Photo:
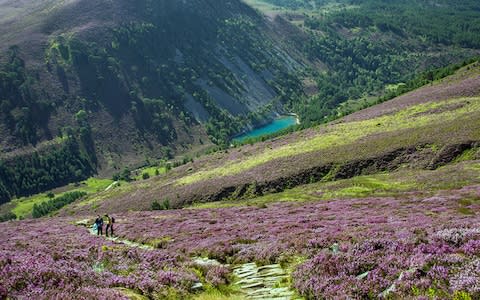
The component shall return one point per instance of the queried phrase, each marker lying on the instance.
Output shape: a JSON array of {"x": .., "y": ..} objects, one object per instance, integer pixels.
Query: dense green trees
[
  {"x": 125, "y": 175},
  {"x": 31, "y": 174},
  {"x": 152, "y": 71},
  {"x": 149, "y": 66},
  {"x": 420, "y": 80},
  {"x": 45, "y": 208},
  {"x": 21, "y": 110},
  {"x": 366, "y": 45}
]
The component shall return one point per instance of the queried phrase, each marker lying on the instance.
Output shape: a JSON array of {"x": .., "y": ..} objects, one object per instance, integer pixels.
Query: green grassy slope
[
  {"x": 424, "y": 129},
  {"x": 134, "y": 81},
  {"x": 22, "y": 207}
]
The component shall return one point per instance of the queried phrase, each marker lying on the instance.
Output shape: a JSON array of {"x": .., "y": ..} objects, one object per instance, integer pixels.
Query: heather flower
[
  {"x": 3, "y": 292},
  {"x": 472, "y": 247},
  {"x": 468, "y": 279},
  {"x": 217, "y": 275},
  {"x": 457, "y": 236},
  {"x": 382, "y": 244},
  {"x": 439, "y": 273}
]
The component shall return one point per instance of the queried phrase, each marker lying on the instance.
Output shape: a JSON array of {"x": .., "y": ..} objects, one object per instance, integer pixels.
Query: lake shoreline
[{"x": 278, "y": 124}]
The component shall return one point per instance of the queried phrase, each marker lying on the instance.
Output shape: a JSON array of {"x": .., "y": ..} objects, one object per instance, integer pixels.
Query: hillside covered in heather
[
  {"x": 424, "y": 129},
  {"x": 95, "y": 87},
  {"x": 124, "y": 173},
  {"x": 382, "y": 203}
]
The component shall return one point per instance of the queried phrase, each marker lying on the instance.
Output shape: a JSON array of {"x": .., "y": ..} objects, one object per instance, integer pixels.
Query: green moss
[
  {"x": 466, "y": 211},
  {"x": 160, "y": 243},
  {"x": 214, "y": 294},
  {"x": 465, "y": 202},
  {"x": 460, "y": 295}
]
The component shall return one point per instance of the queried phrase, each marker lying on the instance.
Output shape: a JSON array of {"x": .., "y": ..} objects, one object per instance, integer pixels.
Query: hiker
[
  {"x": 99, "y": 225},
  {"x": 110, "y": 222}
]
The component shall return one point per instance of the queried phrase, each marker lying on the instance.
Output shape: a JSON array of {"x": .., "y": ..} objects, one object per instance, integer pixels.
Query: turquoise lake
[{"x": 275, "y": 126}]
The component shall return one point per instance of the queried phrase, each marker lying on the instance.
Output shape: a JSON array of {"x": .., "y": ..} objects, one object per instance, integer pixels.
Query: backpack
[{"x": 113, "y": 220}]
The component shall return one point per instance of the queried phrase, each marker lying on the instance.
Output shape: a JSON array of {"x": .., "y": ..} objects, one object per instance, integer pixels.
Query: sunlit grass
[
  {"x": 394, "y": 184},
  {"x": 120, "y": 188},
  {"x": 24, "y": 206},
  {"x": 151, "y": 171},
  {"x": 413, "y": 117}
]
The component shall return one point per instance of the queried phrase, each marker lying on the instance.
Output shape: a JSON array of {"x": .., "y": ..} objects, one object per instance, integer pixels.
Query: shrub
[
  {"x": 165, "y": 205},
  {"x": 123, "y": 175},
  {"x": 7, "y": 217}
]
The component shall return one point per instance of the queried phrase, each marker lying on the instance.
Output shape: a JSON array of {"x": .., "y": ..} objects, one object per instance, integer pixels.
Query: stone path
[
  {"x": 262, "y": 282},
  {"x": 257, "y": 282},
  {"x": 254, "y": 282}
]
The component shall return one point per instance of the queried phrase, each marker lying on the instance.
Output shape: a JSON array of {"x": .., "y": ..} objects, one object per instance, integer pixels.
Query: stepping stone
[
  {"x": 259, "y": 291},
  {"x": 248, "y": 286},
  {"x": 248, "y": 281},
  {"x": 363, "y": 275},
  {"x": 197, "y": 286},
  {"x": 272, "y": 273},
  {"x": 243, "y": 275},
  {"x": 247, "y": 265},
  {"x": 260, "y": 282},
  {"x": 275, "y": 266},
  {"x": 206, "y": 261}
]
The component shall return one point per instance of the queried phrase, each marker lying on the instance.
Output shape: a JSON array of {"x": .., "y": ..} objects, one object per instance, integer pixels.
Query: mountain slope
[
  {"x": 424, "y": 129},
  {"x": 363, "y": 47},
  {"x": 92, "y": 87},
  {"x": 135, "y": 80}
]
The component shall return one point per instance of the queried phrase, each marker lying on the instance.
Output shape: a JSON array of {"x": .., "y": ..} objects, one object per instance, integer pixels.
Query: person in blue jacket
[{"x": 99, "y": 224}]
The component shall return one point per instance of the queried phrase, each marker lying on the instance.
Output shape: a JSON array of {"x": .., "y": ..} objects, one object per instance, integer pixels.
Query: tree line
[
  {"x": 31, "y": 174},
  {"x": 54, "y": 204}
]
